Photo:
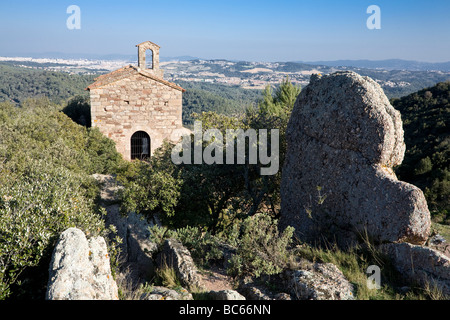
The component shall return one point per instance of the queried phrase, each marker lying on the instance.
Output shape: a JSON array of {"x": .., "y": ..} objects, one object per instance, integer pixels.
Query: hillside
[
  {"x": 389, "y": 64},
  {"x": 222, "y": 86},
  {"x": 205, "y": 97},
  {"x": 397, "y": 77},
  {"x": 224, "y": 214},
  {"x": 426, "y": 121},
  {"x": 18, "y": 84},
  {"x": 46, "y": 163}
]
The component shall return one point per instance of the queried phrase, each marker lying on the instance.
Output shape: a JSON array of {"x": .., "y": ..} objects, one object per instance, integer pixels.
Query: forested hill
[
  {"x": 426, "y": 122},
  {"x": 18, "y": 84},
  {"x": 223, "y": 99}
]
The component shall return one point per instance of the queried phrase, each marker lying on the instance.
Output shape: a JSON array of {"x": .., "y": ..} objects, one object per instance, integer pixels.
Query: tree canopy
[{"x": 426, "y": 121}]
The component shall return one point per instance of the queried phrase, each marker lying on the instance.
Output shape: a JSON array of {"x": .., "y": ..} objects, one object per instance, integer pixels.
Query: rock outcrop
[
  {"x": 80, "y": 269},
  {"x": 343, "y": 140},
  {"x": 137, "y": 250},
  {"x": 163, "y": 293},
  {"x": 255, "y": 292},
  {"x": 420, "y": 265},
  {"x": 226, "y": 295},
  {"x": 175, "y": 255},
  {"x": 323, "y": 281}
]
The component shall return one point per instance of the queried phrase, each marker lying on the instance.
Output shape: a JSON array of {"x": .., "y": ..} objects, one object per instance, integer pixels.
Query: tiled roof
[{"x": 125, "y": 72}]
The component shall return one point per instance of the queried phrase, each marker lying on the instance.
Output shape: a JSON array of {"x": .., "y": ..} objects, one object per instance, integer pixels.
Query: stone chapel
[{"x": 136, "y": 107}]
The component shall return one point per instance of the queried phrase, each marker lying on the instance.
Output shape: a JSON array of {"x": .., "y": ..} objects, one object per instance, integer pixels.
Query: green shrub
[
  {"x": 261, "y": 248},
  {"x": 34, "y": 210},
  {"x": 150, "y": 188},
  {"x": 46, "y": 163},
  {"x": 79, "y": 110},
  {"x": 203, "y": 246}
]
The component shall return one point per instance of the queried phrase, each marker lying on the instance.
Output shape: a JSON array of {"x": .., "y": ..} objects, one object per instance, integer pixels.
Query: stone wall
[{"x": 137, "y": 103}]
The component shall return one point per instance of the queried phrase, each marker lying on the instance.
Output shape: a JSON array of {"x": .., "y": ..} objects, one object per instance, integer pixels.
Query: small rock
[
  {"x": 323, "y": 282},
  {"x": 226, "y": 295},
  {"x": 282, "y": 296},
  {"x": 437, "y": 240},
  {"x": 253, "y": 291},
  {"x": 163, "y": 293}
]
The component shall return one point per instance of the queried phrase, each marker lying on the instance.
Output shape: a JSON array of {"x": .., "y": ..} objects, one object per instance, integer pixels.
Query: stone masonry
[{"x": 135, "y": 98}]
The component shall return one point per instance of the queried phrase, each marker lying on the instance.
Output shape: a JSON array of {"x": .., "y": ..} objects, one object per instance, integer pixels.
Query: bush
[
  {"x": 34, "y": 210},
  {"x": 203, "y": 246},
  {"x": 46, "y": 163},
  {"x": 150, "y": 188},
  {"x": 261, "y": 249},
  {"x": 79, "y": 110}
]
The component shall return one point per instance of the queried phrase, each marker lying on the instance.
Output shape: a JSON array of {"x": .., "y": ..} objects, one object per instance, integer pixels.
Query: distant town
[
  {"x": 73, "y": 66},
  {"x": 244, "y": 74}
]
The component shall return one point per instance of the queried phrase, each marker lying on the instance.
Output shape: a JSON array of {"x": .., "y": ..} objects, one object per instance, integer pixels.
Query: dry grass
[
  {"x": 127, "y": 289},
  {"x": 167, "y": 277}
]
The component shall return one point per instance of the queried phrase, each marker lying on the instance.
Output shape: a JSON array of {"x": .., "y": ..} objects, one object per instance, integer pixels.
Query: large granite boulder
[
  {"x": 80, "y": 269},
  {"x": 343, "y": 139}
]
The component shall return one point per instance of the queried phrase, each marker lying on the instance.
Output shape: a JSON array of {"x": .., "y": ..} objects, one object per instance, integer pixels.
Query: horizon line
[{"x": 99, "y": 56}]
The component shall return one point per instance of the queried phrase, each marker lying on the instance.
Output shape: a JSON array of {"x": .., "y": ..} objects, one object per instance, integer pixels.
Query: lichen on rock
[{"x": 344, "y": 138}]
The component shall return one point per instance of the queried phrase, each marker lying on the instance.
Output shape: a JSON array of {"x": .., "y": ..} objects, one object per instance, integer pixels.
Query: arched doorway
[{"x": 140, "y": 146}]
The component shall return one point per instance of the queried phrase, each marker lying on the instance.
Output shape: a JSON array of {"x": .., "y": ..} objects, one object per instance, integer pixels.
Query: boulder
[
  {"x": 80, "y": 269},
  {"x": 324, "y": 281},
  {"x": 420, "y": 265},
  {"x": 265, "y": 287},
  {"x": 226, "y": 295},
  {"x": 175, "y": 255},
  {"x": 252, "y": 291},
  {"x": 440, "y": 244},
  {"x": 163, "y": 293},
  {"x": 140, "y": 248},
  {"x": 343, "y": 139}
]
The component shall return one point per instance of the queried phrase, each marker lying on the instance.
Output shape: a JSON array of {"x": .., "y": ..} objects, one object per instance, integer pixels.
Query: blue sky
[{"x": 262, "y": 30}]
